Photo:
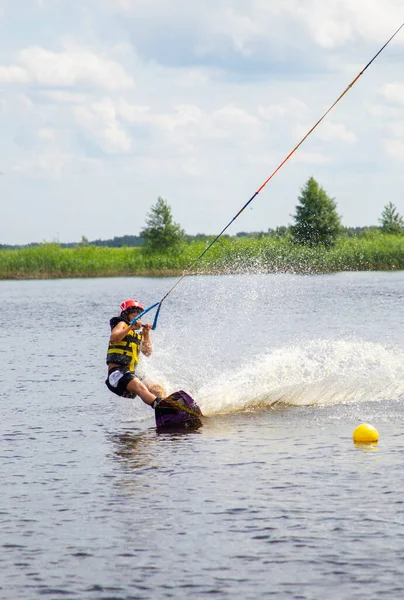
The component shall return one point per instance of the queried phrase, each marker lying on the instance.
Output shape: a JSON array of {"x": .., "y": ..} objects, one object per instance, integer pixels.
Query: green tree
[
  {"x": 391, "y": 221},
  {"x": 316, "y": 218},
  {"x": 161, "y": 233}
]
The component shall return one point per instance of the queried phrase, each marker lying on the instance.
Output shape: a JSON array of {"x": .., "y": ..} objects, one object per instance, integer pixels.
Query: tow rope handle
[{"x": 146, "y": 311}]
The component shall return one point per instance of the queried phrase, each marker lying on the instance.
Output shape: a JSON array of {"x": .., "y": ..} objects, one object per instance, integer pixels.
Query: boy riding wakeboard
[
  {"x": 126, "y": 342},
  {"x": 129, "y": 337}
]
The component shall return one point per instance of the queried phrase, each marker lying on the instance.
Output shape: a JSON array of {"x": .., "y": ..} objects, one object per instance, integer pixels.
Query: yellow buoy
[{"x": 365, "y": 434}]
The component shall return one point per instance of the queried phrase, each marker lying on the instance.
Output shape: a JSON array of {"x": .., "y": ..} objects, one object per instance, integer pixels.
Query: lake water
[{"x": 270, "y": 498}]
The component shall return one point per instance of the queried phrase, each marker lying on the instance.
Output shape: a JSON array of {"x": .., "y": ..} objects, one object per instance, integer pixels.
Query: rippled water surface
[{"x": 270, "y": 498}]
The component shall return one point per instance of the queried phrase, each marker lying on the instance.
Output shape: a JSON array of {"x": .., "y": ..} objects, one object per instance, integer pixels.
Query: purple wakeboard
[{"x": 178, "y": 410}]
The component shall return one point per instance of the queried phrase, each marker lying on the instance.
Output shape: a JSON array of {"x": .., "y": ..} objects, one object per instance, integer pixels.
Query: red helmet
[{"x": 131, "y": 303}]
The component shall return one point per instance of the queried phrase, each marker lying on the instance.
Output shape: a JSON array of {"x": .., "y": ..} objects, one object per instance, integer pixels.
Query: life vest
[{"x": 125, "y": 352}]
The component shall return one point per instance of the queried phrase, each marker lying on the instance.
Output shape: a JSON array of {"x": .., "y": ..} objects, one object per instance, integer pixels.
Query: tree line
[{"x": 316, "y": 223}]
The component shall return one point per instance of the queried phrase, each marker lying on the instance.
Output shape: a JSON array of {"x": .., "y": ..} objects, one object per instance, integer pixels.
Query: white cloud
[
  {"x": 192, "y": 167},
  {"x": 397, "y": 128},
  {"x": 52, "y": 163},
  {"x": 64, "y": 97},
  {"x": 44, "y": 165},
  {"x": 256, "y": 23},
  {"x": 72, "y": 68},
  {"x": 334, "y": 23},
  {"x": 383, "y": 111},
  {"x": 46, "y": 134},
  {"x": 193, "y": 78},
  {"x": 25, "y": 101},
  {"x": 99, "y": 121},
  {"x": 235, "y": 116},
  {"x": 240, "y": 27},
  {"x": 218, "y": 99},
  {"x": 329, "y": 131},
  {"x": 191, "y": 119},
  {"x": 134, "y": 113},
  {"x": 291, "y": 107},
  {"x": 326, "y": 22},
  {"x": 183, "y": 116},
  {"x": 180, "y": 124},
  {"x": 394, "y": 92},
  {"x": 395, "y": 149},
  {"x": 13, "y": 74},
  {"x": 311, "y": 158}
]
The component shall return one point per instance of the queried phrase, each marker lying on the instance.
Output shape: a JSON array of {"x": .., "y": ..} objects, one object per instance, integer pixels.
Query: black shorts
[{"x": 119, "y": 382}]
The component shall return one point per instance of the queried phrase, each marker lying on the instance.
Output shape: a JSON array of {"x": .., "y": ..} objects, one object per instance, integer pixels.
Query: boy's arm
[
  {"x": 120, "y": 330},
  {"x": 146, "y": 347}
]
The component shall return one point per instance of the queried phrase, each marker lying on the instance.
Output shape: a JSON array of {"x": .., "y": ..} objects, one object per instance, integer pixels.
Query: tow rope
[{"x": 186, "y": 271}]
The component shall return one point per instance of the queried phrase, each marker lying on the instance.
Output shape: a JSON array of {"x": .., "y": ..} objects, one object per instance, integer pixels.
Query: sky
[{"x": 105, "y": 105}]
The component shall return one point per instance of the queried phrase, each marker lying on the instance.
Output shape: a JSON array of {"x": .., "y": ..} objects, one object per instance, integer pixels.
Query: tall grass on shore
[
  {"x": 229, "y": 255},
  {"x": 376, "y": 252},
  {"x": 49, "y": 260}
]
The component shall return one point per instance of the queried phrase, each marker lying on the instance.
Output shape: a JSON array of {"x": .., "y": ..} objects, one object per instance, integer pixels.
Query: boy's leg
[
  {"x": 156, "y": 388},
  {"x": 135, "y": 386}
]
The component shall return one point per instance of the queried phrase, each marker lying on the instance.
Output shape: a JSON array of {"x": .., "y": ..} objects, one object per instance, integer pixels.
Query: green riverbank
[{"x": 230, "y": 255}]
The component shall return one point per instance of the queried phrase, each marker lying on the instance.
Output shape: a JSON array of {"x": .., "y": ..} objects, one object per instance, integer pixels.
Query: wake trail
[{"x": 320, "y": 373}]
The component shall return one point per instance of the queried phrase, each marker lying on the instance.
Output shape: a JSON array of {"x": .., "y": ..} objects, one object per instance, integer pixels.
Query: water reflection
[
  {"x": 140, "y": 448},
  {"x": 133, "y": 447},
  {"x": 176, "y": 432},
  {"x": 369, "y": 447}
]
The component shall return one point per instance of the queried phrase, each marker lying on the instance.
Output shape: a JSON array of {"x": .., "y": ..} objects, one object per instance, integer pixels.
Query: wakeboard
[{"x": 178, "y": 410}]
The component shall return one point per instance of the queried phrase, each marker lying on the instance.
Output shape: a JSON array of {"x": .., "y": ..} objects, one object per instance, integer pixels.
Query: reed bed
[{"x": 229, "y": 255}]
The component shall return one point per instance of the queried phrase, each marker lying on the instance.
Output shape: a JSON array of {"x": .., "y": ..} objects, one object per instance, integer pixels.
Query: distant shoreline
[
  {"x": 179, "y": 273},
  {"x": 55, "y": 275}
]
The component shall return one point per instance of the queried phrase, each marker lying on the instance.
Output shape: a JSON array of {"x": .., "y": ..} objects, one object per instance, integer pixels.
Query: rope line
[{"x": 270, "y": 177}]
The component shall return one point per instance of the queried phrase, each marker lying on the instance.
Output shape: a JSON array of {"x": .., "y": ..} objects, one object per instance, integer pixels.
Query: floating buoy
[{"x": 365, "y": 434}]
